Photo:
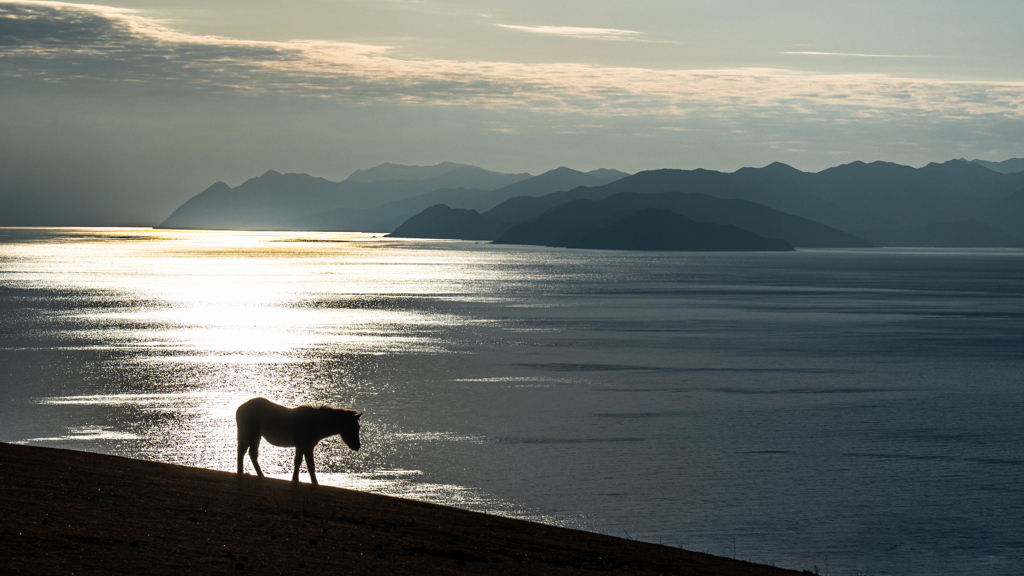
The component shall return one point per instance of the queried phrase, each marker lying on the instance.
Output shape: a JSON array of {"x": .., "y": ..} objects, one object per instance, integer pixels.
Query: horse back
[{"x": 262, "y": 417}]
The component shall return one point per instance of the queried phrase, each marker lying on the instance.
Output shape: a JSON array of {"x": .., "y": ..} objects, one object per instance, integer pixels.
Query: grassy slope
[{"x": 74, "y": 512}]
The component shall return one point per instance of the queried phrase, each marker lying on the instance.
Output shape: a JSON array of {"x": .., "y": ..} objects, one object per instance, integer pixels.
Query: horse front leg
[
  {"x": 311, "y": 466},
  {"x": 298, "y": 462}
]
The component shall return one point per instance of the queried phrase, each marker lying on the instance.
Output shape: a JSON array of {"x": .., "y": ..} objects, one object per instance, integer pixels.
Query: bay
[{"x": 856, "y": 412}]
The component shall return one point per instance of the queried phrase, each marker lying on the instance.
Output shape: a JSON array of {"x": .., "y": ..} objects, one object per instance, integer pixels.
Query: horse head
[{"x": 348, "y": 424}]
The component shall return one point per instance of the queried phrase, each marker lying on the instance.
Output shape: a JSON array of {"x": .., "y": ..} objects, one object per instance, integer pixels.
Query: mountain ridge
[
  {"x": 388, "y": 216},
  {"x": 877, "y": 201},
  {"x": 276, "y": 201},
  {"x": 1005, "y": 167}
]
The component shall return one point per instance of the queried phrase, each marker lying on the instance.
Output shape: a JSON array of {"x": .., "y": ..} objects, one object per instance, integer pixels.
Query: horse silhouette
[{"x": 302, "y": 427}]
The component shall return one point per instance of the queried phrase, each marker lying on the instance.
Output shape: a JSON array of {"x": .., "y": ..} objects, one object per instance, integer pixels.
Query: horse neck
[{"x": 323, "y": 424}]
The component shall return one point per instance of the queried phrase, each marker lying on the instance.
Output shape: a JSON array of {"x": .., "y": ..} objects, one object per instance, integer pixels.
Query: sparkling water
[{"x": 848, "y": 411}]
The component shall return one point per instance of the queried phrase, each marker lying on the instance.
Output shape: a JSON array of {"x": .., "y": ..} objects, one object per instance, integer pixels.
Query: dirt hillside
[{"x": 67, "y": 512}]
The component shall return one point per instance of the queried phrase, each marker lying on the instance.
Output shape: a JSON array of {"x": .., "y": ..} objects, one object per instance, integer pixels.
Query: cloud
[
  {"x": 853, "y": 55},
  {"x": 574, "y": 32},
  {"x": 70, "y": 45}
]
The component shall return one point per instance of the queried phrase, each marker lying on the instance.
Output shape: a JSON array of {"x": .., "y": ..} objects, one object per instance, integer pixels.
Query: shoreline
[{"x": 66, "y": 511}]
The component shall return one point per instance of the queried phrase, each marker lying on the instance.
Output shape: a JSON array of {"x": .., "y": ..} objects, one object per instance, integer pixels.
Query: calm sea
[{"x": 855, "y": 412}]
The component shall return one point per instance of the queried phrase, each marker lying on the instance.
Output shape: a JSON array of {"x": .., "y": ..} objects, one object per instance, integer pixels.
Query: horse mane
[{"x": 322, "y": 408}]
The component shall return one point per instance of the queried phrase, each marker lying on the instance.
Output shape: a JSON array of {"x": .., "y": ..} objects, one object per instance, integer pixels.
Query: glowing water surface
[
  {"x": 185, "y": 326},
  {"x": 862, "y": 406}
]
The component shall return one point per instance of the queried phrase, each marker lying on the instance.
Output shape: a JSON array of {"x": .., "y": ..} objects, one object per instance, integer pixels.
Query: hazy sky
[{"x": 117, "y": 113}]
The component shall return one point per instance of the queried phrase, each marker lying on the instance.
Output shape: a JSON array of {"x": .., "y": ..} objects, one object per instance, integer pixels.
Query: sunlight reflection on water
[{"x": 207, "y": 320}]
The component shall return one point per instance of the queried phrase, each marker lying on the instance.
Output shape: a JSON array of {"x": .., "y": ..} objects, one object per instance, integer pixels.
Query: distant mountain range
[
  {"x": 388, "y": 171},
  {"x": 373, "y": 200},
  {"x": 882, "y": 203},
  {"x": 1004, "y": 167},
  {"x": 955, "y": 203},
  {"x": 386, "y": 217},
  {"x": 878, "y": 201}
]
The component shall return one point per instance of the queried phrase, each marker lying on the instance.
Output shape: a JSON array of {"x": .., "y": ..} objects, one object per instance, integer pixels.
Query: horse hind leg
[
  {"x": 244, "y": 442},
  {"x": 243, "y": 447},
  {"x": 254, "y": 454}
]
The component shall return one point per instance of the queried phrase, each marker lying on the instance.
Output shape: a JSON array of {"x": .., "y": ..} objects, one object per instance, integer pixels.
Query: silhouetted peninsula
[
  {"x": 649, "y": 229},
  {"x": 550, "y": 227},
  {"x": 751, "y": 216},
  {"x": 440, "y": 221}
]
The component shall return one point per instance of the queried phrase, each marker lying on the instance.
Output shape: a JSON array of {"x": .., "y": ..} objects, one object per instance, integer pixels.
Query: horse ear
[{"x": 359, "y": 415}]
